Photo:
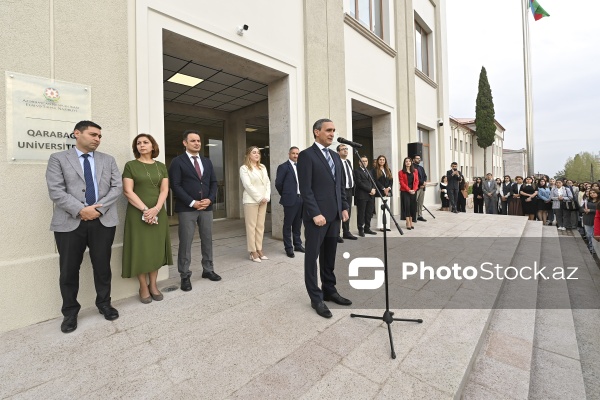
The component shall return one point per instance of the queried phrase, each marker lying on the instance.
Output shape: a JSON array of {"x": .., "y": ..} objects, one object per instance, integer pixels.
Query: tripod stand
[
  {"x": 388, "y": 316},
  {"x": 426, "y": 209}
]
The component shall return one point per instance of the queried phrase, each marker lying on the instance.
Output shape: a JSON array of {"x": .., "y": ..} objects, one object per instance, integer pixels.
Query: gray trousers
[
  {"x": 491, "y": 204},
  {"x": 420, "y": 199},
  {"x": 187, "y": 226}
]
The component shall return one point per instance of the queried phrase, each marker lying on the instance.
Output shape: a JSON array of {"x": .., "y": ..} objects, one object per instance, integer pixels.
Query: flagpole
[{"x": 528, "y": 91}]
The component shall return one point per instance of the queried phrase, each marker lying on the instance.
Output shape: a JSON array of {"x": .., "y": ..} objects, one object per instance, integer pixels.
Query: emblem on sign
[{"x": 51, "y": 94}]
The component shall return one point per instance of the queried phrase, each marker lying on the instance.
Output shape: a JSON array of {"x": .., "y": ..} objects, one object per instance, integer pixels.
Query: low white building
[
  {"x": 515, "y": 162},
  {"x": 469, "y": 156}
]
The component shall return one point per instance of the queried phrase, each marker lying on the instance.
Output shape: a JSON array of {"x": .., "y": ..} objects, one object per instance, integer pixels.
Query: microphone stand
[{"x": 388, "y": 316}]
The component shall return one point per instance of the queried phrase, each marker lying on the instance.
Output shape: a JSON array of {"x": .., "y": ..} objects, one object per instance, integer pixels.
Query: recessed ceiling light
[
  {"x": 251, "y": 129},
  {"x": 186, "y": 80}
]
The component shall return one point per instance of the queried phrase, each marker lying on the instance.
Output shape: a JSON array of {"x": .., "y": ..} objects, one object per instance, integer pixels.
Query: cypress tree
[{"x": 485, "y": 126}]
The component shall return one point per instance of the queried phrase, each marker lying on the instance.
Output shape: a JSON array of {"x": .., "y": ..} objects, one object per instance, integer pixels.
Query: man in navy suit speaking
[
  {"x": 287, "y": 186},
  {"x": 322, "y": 187}
]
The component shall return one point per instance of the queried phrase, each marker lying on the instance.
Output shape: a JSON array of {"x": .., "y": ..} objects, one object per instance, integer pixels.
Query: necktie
[
  {"x": 90, "y": 190},
  {"x": 330, "y": 161},
  {"x": 349, "y": 172},
  {"x": 197, "y": 166}
]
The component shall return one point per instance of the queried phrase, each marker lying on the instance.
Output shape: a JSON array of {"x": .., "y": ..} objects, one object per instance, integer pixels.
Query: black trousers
[
  {"x": 321, "y": 243},
  {"x": 477, "y": 205},
  {"x": 453, "y": 197},
  {"x": 292, "y": 224},
  {"x": 461, "y": 203},
  {"x": 71, "y": 247},
  {"x": 346, "y": 225},
  {"x": 364, "y": 213}
]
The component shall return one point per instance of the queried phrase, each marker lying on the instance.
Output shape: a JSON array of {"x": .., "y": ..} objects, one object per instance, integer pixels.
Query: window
[
  {"x": 423, "y": 137},
  {"x": 368, "y": 13},
  {"x": 461, "y": 146},
  {"x": 421, "y": 49},
  {"x": 455, "y": 144}
]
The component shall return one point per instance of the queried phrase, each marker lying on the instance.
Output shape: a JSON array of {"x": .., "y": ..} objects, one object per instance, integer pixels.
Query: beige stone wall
[{"x": 83, "y": 42}]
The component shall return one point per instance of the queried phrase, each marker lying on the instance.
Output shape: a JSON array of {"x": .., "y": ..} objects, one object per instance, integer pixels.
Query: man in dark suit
[
  {"x": 342, "y": 150},
  {"x": 322, "y": 183},
  {"x": 421, "y": 191},
  {"x": 84, "y": 185},
  {"x": 454, "y": 178},
  {"x": 287, "y": 186},
  {"x": 364, "y": 197},
  {"x": 194, "y": 184}
]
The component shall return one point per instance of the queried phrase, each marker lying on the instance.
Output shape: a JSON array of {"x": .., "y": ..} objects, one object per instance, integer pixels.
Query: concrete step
[
  {"x": 556, "y": 365},
  {"x": 584, "y": 294},
  {"x": 502, "y": 367}
]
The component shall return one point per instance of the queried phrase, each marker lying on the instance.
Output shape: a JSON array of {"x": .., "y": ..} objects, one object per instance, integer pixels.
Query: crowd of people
[
  {"x": 316, "y": 188},
  {"x": 561, "y": 202}
]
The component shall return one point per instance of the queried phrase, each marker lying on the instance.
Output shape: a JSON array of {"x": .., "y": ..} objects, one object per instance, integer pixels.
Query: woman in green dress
[{"x": 146, "y": 243}]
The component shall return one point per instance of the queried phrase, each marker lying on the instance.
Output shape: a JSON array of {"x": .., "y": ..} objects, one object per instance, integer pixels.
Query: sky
[{"x": 565, "y": 70}]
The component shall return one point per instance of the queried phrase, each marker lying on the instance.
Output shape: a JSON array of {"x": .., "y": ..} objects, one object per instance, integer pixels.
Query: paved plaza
[{"x": 253, "y": 335}]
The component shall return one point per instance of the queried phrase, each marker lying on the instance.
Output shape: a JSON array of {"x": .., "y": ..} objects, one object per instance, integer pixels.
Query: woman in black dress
[
  {"x": 478, "y": 196},
  {"x": 384, "y": 181},
  {"x": 409, "y": 184},
  {"x": 528, "y": 198},
  {"x": 444, "y": 193}
]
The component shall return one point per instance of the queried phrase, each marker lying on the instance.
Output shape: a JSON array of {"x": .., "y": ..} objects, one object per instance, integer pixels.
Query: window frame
[
  {"x": 354, "y": 12},
  {"x": 424, "y": 49}
]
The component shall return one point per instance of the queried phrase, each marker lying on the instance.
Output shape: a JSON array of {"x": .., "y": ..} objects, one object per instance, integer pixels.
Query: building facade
[
  {"x": 469, "y": 156},
  {"x": 515, "y": 162},
  {"x": 264, "y": 72}
]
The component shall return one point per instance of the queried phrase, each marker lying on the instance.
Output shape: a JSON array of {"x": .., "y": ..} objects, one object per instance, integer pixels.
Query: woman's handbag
[{"x": 570, "y": 205}]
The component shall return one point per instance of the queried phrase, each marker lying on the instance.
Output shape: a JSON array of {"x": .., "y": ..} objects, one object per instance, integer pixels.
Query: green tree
[
  {"x": 584, "y": 166},
  {"x": 485, "y": 126}
]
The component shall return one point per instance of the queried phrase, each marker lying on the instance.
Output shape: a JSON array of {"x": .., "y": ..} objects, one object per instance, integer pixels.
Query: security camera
[
  {"x": 241, "y": 29},
  {"x": 440, "y": 122}
]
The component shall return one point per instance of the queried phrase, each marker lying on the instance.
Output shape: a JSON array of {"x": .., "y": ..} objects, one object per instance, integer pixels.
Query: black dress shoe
[
  {"x": 211, "y": 275},
  {"x": 69, "y": 324},
  {"x": 300, "y": 249},
  {"x": 321, "y": 309},
  {"x": 340, "y": 240},
  {"x": 110, "y": 313},
  {"x": 290, "y": 253},
  {"x": 350, "y": 236},
  {"x": 336, "y": 298},
  {"x": 370, "y": 232},
  {"x": 422, "y": 219},
  {"x": 361, "y": 233},
  {"x": 186, "y": 285}
]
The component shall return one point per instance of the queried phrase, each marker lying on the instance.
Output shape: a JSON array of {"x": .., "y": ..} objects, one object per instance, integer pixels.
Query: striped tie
[{"x": 330, "y": 161}]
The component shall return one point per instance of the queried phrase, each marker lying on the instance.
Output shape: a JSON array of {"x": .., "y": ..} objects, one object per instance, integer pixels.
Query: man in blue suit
[
  {"x": 194, "y": 184},
  {"x": 287, "y": 186},
  {"x": 322, "y": 187}
]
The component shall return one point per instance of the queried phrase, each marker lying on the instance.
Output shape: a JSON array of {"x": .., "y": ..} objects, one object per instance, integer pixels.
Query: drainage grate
[{"x": 170, "y": 288}]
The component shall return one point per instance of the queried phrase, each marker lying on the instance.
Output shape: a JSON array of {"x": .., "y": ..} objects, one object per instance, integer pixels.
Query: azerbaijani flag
[{"x": 537, "y": 10}]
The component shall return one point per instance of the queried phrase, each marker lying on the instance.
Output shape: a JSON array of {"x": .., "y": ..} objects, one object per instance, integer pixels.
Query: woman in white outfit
[{"x": 257, "y": 193}]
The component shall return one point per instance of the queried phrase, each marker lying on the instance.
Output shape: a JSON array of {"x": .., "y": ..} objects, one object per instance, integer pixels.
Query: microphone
[{"x": 349, "y": 143}]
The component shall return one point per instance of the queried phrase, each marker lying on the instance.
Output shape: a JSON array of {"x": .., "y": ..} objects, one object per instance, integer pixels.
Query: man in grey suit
[
  {"x": 84, "y": 185},
  {"x": 490, "y": 195}
]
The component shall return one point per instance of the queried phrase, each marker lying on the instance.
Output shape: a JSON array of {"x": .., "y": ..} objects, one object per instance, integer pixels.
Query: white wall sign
[{"x": 41, "y": 114}]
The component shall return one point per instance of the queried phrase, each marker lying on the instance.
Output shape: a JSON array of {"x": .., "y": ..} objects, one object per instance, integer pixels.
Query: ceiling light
[
  {"x": 186, "y": 80},
  {"x": 251, "y": 129}
]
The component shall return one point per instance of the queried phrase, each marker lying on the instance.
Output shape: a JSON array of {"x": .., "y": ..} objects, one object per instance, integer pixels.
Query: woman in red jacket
[{"x": 409, "y": 184}]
